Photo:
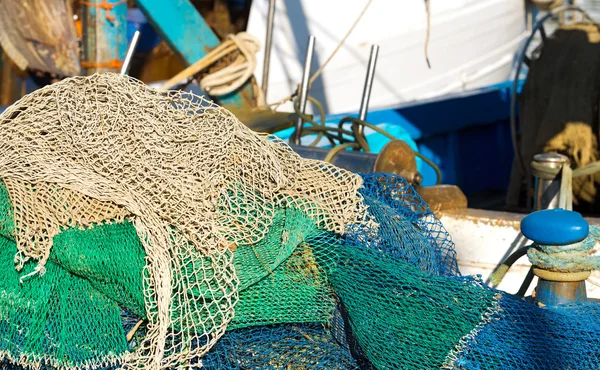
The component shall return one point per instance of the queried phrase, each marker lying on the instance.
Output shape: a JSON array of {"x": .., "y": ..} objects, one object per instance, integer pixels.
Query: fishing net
[
  {"x": 196, "y": 183},
  {"x": 141, "y": 229}
]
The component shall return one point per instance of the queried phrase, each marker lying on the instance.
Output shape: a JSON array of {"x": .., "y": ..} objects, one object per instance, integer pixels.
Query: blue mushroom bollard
[{"x": 559, "y": 237}]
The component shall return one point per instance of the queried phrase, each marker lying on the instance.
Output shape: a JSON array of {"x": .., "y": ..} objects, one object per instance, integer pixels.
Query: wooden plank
[
  {"x": 190, "y": 37},
  {"x": 40, "y": 35},
  {"x": 12, "y": 84}
]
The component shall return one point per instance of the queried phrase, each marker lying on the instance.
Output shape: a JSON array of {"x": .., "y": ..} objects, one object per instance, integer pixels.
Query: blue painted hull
[{"x": 467, "y": 135}]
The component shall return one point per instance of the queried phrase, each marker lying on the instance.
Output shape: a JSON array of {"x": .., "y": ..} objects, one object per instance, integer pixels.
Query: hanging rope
[
  {"x": 340, "y": 44},
  {"x": 427, "y": 34},
  {"x": 566, "y": 188}
]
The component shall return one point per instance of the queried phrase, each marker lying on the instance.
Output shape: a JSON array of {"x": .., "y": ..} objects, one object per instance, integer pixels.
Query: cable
[
  {"x": 337, "y": 133},
  {"x": 342, "y": 42},
  {"x": 319, "y": 128},
  {"x": 428, "y": 9},
  {"x": 320, "y": 70}
]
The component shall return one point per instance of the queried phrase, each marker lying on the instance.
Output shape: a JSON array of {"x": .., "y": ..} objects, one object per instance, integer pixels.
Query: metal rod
[
  {"x": 268, "y": 45},
  {"x": 130, "y": 50},
  {"x": 547, "y": 188},
  {"x": 364, "y": 103},
  {"x": 310, "y": 48}
]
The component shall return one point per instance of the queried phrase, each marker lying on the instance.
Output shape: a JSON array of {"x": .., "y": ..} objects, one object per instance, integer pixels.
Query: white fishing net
[{"x": 195, "y": 181}]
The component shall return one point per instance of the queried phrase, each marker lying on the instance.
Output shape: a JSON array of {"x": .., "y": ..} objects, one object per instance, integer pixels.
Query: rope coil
[
  {"x": 232, "y": 77},
  {"x": 570, "y": 258}
]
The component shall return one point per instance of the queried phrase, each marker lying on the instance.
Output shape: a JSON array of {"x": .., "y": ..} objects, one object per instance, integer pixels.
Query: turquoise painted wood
[
  {"x": 105, "y": 36},
  {"x": 186, "y": 32},
  {"x": 117, "y": 31}
]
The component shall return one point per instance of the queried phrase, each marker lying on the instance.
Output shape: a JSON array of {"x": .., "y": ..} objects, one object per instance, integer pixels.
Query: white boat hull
[{"x": 472, "y": 45}]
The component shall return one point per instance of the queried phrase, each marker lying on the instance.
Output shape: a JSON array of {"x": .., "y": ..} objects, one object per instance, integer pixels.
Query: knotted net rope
[{"x": 195, "y": 182}]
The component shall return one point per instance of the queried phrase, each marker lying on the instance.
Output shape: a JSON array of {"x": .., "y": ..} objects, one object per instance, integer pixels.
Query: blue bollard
[{"x": 557, "y": 227}]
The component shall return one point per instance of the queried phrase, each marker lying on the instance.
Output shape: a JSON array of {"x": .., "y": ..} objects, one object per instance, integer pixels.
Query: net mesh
[
  {"x": 196, "y": 182},
  {"x": 141, "y": 229}
]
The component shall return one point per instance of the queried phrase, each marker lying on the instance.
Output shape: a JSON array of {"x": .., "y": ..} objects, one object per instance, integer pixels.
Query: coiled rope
[
  {"x": 570, "y": 258},
  {"x": 231, "y": 77}
]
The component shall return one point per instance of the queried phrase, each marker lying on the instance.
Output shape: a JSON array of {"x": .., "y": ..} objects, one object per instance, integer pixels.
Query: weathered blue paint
[
  {"x": 181, "y": 27},
  {"x": 186, "y": 32},
  {"x": 553, "y": 293},
  {"x": 105, "y": 34},
  {"x": 117, "y": 31},
  {"x": 555, "y": 227}
]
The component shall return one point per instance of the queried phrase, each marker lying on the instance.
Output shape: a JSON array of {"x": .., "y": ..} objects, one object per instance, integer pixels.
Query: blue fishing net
[{"x": 519, "y": 335}]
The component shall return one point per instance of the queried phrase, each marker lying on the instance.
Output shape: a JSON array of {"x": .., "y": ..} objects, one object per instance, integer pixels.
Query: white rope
[
  {"x": 39, "y": 270},
  {"x": 237, "y": 73}
]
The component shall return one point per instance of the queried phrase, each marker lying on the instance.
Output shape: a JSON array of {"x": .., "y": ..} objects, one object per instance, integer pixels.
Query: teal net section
[
  {"x": 307, "y": 346},
  {"x": 408, "y": 229}
]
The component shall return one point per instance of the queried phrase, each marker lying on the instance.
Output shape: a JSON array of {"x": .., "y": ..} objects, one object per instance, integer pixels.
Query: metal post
[
  {"x": 310, "y": 48},
  {"x": 130, "y": 50},
  {"x": 547, "y": 188},
  {"x": 546, "y": 195},
  {"x": 364, "y": 103},
  {"x": 268, "y": 45}
]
